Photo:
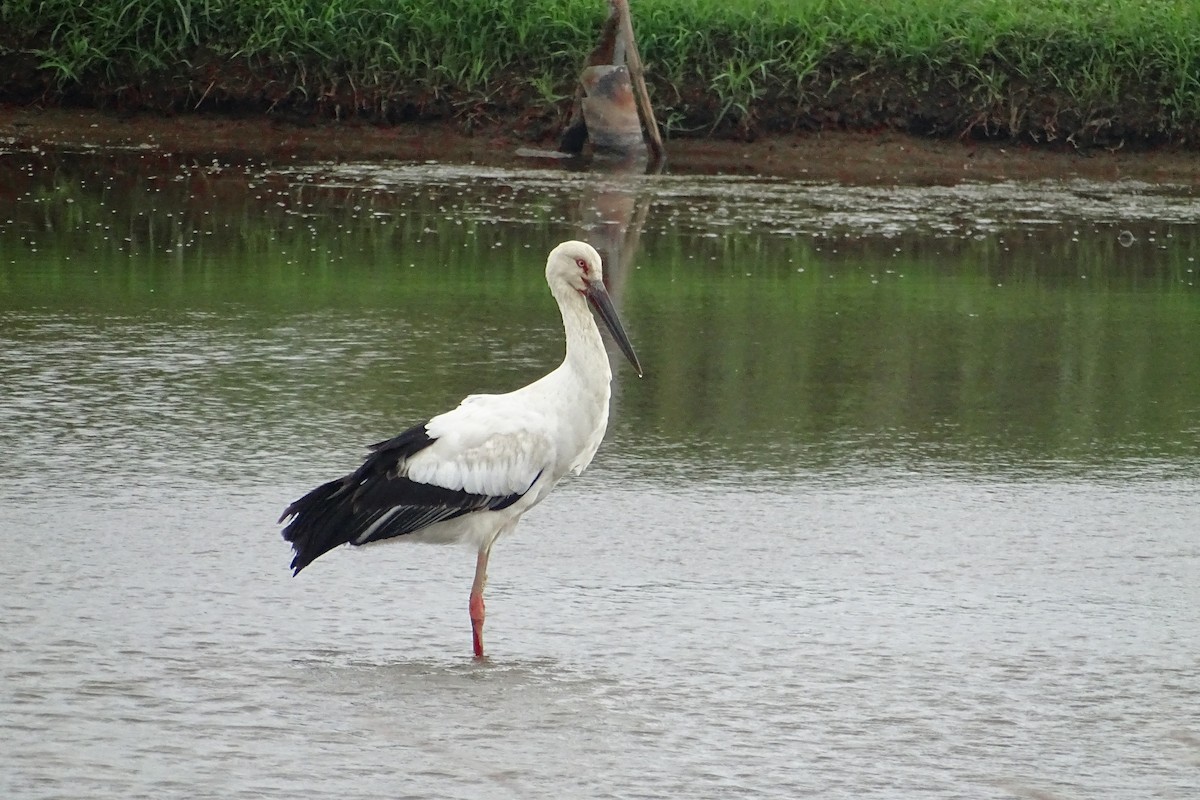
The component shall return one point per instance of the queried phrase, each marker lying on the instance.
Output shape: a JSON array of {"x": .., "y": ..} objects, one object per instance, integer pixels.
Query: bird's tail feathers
[{"x": 317, "y": 526}]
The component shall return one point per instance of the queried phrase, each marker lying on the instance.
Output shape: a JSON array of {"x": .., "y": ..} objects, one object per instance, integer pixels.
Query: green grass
[{"x": 1039, "y": 69}]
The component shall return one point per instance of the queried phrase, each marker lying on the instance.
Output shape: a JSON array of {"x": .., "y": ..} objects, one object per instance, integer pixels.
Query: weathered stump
[
  {"x": 611, "y": 113},
  {"x": 610, "y": 92}
]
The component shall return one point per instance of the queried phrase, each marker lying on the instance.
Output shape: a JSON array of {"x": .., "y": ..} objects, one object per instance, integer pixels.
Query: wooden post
[{"x": 621, "y": 7}]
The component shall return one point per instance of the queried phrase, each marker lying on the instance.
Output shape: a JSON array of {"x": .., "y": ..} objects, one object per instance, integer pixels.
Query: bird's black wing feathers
[{"x": 377, "y": 502}]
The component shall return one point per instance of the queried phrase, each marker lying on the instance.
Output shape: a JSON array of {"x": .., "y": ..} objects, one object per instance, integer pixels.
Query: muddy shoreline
[{"x": 846, "y": 157}]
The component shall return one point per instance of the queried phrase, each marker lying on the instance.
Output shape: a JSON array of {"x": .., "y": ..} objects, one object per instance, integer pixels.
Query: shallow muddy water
[{"x": 906, "y": 505}]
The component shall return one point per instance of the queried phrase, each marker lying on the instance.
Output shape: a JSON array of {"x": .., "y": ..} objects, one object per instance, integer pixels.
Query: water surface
[{"x": 905, "y": 506}]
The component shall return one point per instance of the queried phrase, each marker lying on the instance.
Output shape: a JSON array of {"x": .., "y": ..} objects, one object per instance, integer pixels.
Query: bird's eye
[{"x": 583, "y": 265}]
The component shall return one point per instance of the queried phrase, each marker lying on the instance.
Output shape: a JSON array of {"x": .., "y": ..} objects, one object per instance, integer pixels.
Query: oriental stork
[{"x": 469, "y": 474}]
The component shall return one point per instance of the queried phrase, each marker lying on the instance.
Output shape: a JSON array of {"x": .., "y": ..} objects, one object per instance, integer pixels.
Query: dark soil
[{"x": 849, "y": 157}]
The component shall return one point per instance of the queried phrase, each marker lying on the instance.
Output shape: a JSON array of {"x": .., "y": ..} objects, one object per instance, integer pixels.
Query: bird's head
[
  {"x": 576, "y": 268},
  {"x": 574, "y": 264}
]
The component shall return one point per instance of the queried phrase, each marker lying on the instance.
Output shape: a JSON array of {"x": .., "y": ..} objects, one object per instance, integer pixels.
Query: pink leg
[{"x": 477, "y": 610}]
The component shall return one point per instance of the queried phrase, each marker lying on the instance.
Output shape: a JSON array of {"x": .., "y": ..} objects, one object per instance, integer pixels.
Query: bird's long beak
[{"x": 597, "y": 295}]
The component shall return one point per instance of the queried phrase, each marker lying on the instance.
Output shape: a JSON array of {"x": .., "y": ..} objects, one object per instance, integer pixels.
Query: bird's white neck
[{"x": 585, "y": 349}]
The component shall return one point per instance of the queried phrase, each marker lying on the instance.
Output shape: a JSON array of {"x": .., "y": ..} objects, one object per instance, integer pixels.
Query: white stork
[{"x": 469, "y": 474}]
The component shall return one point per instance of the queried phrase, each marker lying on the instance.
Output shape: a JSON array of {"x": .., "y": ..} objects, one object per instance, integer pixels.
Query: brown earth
[{"x": 853, "y": 158}]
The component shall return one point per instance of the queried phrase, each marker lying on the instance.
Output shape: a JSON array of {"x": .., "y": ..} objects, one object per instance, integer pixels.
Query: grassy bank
[{"x": 1122, "y": 71}]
